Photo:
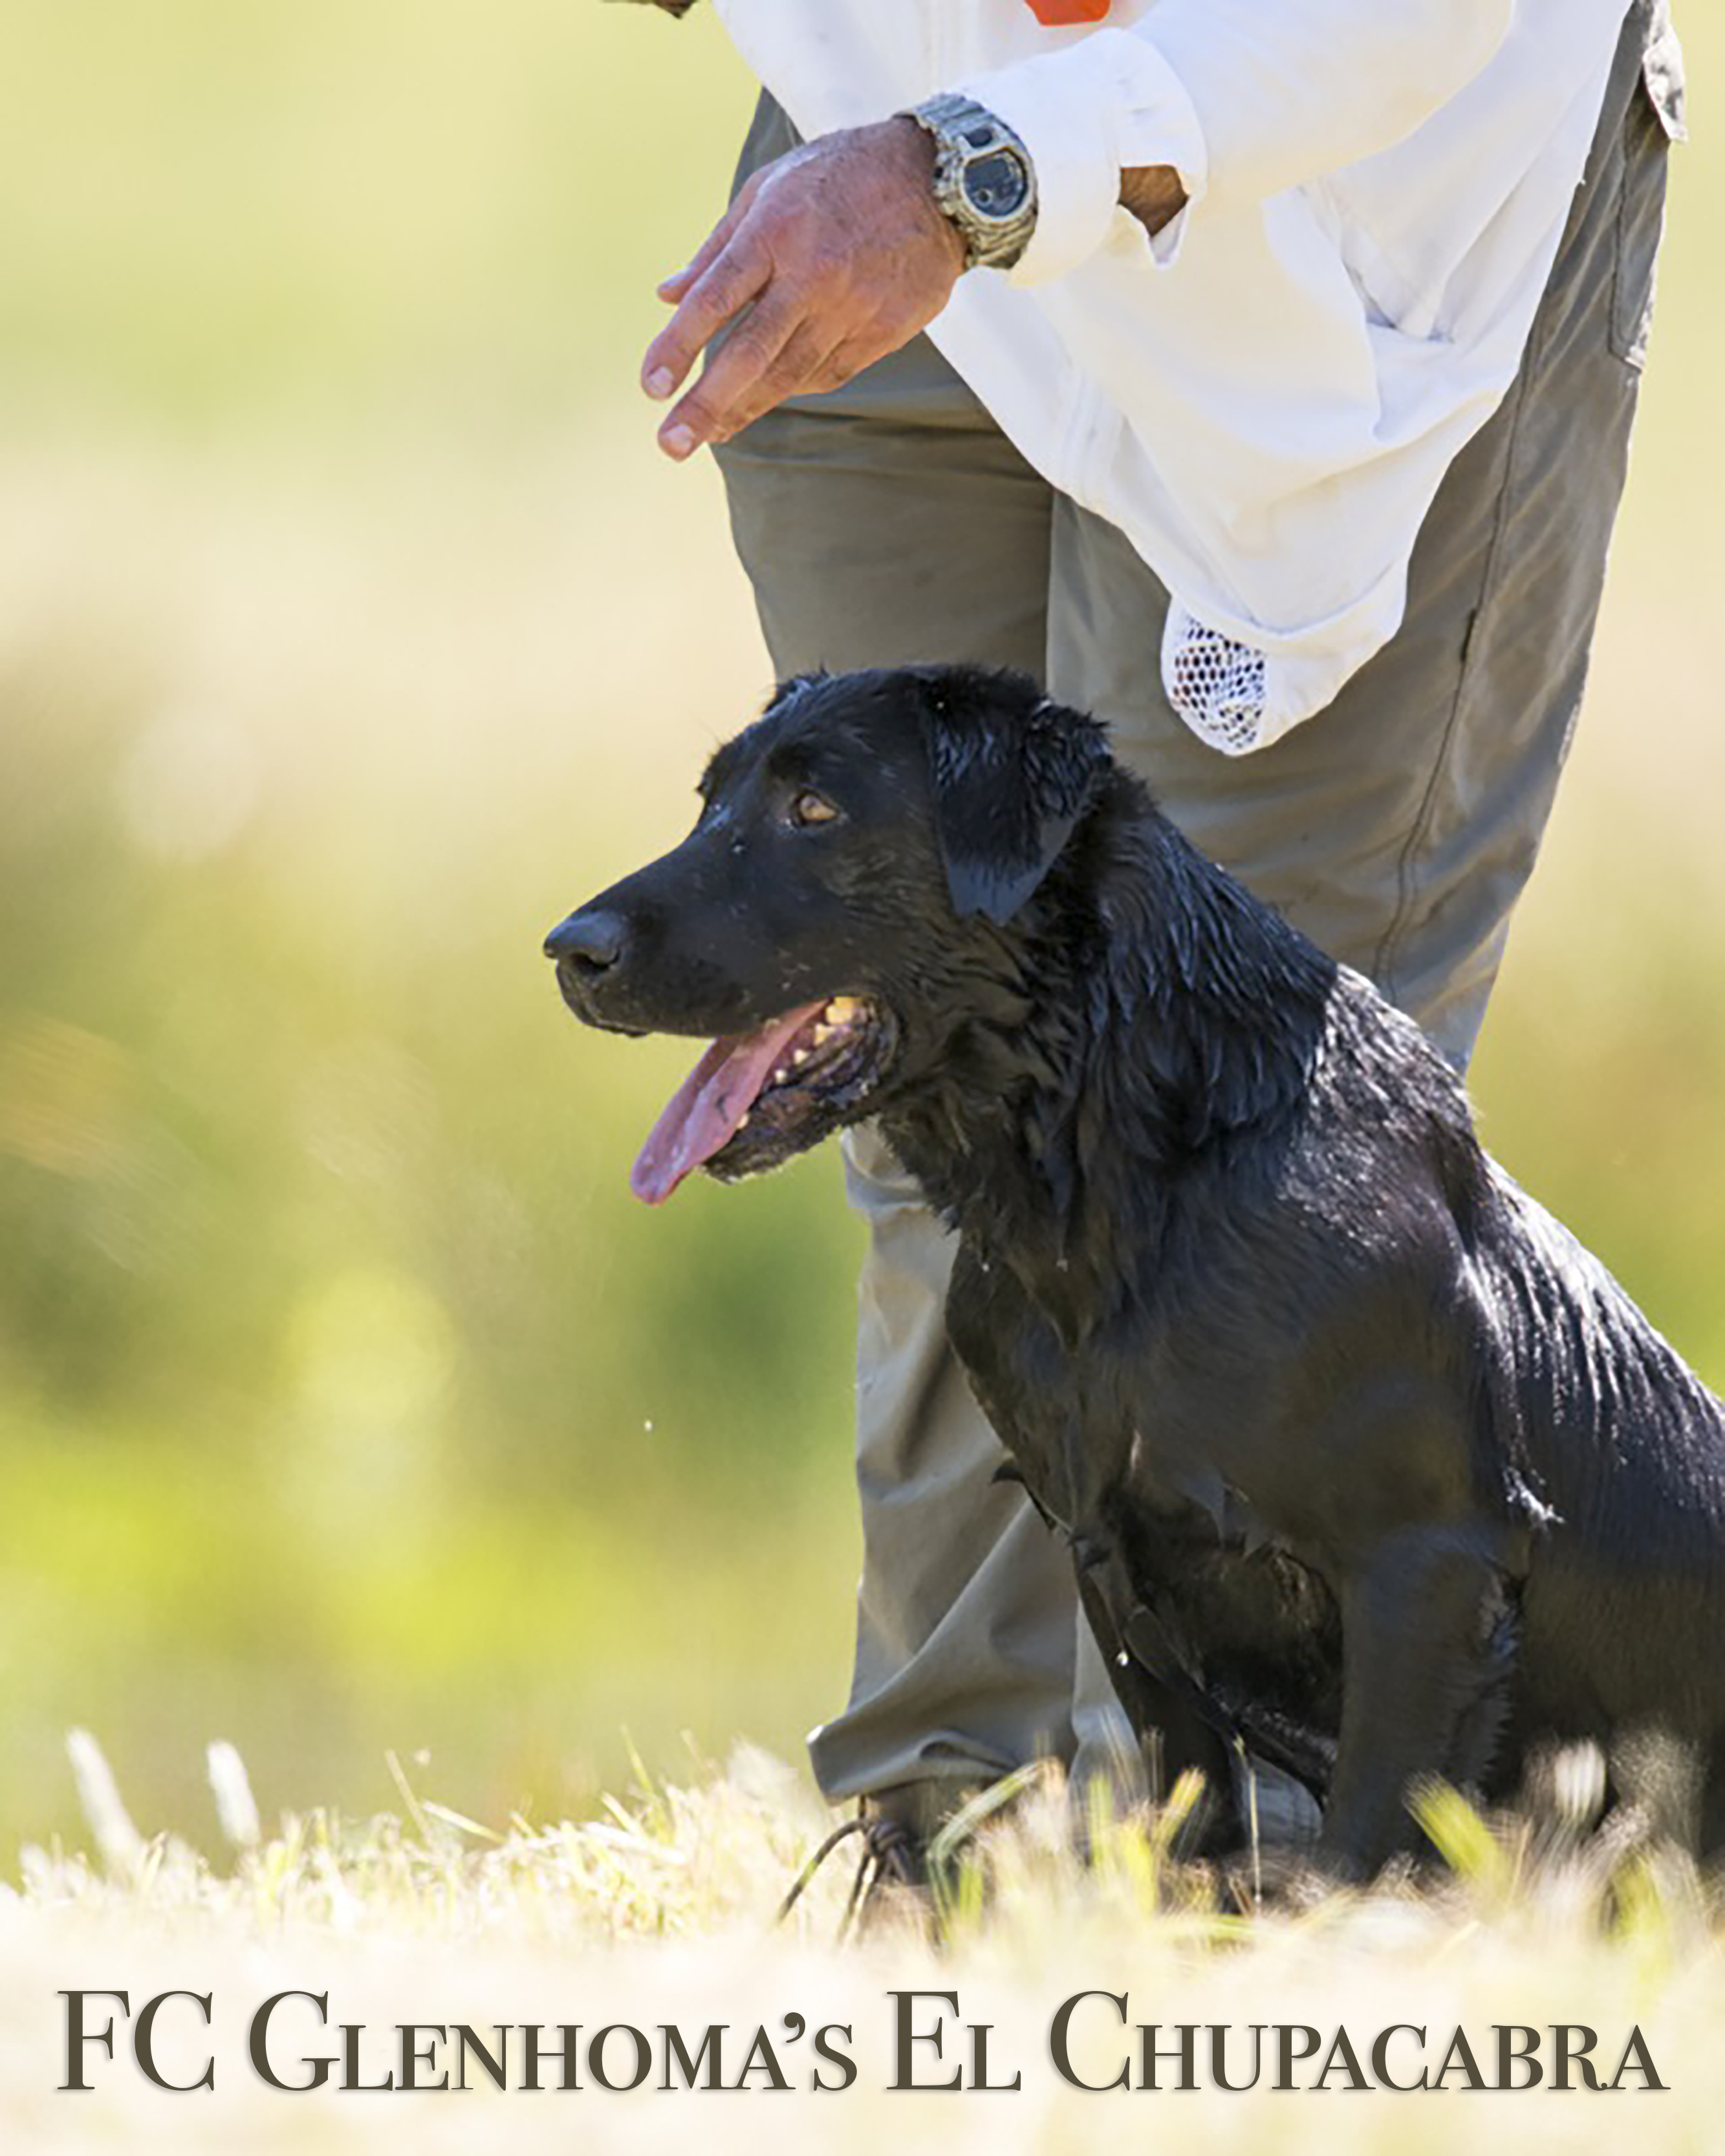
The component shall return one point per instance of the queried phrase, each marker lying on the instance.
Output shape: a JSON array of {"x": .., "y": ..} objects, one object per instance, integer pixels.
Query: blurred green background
[{"x": 351, "y": 629}]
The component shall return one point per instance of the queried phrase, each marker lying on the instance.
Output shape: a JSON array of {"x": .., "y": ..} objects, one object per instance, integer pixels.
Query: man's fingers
[
  {"x": 732, "y": 377},
  {"x": 676, "y": 286},
  {"x": 784, "y": 295},
  {"x": 849, "y": 359},
  {"x": 738, "y": 274},
  {"x": 805, "y": 363},
  {"x": 785, "y": 348}
]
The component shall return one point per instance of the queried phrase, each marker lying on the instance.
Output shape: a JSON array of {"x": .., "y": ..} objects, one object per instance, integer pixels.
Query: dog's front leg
[
  {"x": 1426, "y": 1653},
  {"x": 1166, "y": 1712}
]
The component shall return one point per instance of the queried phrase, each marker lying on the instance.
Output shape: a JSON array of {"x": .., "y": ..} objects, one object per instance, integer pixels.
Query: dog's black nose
[{"x": 589, "y": 941}]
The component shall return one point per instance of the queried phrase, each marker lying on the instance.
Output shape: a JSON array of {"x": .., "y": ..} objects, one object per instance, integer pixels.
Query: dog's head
[{"x": 849, "y": 892}]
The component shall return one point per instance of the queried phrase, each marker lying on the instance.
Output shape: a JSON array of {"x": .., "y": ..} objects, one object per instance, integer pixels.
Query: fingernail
[
  {"x": 659, "y": 383},
  {"x": 677, "y": 441}
]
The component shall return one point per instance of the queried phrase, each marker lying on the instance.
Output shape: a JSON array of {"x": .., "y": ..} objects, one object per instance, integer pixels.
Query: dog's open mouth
[{"x": 754, "y": 1099}]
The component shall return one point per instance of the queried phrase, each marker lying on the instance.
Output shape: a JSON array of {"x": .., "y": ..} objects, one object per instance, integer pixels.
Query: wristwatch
[{"x": 983, "y": 180}]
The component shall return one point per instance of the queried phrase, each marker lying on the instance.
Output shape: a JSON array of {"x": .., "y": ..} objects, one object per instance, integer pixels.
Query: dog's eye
[{"x": 807, "y": 807}]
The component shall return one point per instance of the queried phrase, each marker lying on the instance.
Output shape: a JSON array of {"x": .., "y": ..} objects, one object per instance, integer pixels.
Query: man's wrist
[
  {"x": 919, "y": 154},
  {"x": 1155, "y": 194},
  {"x": 985, "y": 182}
]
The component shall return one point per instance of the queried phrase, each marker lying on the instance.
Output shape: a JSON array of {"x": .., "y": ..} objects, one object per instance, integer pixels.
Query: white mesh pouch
[{"x": 1216, "y": 685}]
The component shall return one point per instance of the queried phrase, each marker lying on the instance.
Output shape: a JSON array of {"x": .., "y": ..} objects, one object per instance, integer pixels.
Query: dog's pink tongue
[{"x": 706, "y": 1108}]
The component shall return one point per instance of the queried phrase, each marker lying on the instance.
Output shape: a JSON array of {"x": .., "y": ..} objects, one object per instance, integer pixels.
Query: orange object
[{"x": 1053, "y": 12}]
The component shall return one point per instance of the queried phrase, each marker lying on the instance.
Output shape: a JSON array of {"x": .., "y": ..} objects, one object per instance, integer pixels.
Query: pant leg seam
[
  {"x": 1395, "y": 936},
  {"x": 1382, "y": 966}
]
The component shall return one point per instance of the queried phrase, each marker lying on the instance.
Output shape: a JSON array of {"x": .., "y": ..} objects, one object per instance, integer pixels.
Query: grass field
[{"x": 657, "y": 1917}]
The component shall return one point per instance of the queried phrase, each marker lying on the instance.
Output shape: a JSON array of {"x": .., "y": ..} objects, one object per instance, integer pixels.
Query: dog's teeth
[
  {"x": 781, "y": 1075},
  {"x": 823, "y": 1033},
  {"x": 801, "y": 1056},
  {"x": 743, "y": 1122},
  {"x": 842, "y": 1009}
]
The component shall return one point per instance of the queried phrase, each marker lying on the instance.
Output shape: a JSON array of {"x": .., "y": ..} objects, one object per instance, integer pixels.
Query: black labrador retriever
[{"x": 1365, "y": 1464}]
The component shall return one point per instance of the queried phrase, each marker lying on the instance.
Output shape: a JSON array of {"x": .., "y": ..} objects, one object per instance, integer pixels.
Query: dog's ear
[{"x": 1013, "y": 772}]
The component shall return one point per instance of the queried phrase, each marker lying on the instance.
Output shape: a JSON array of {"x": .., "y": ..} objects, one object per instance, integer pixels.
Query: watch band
[{"x": 984, "y": 179}]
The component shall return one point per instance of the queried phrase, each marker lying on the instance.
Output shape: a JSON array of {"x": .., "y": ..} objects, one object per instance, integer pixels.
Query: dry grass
[{"x": 661, "y": 1914}]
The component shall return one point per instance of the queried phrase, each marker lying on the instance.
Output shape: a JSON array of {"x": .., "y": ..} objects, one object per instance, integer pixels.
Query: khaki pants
[{"x": 891, "y": 522}]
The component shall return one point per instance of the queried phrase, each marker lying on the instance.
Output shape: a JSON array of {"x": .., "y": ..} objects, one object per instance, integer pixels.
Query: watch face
[{"x": 997, "y": 187}]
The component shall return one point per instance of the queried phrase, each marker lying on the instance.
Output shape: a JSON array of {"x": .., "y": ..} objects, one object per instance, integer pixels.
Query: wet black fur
[{"x": 1362, "y": 1460}]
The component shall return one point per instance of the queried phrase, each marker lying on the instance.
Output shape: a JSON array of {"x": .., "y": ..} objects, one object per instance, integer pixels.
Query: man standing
[{"x": 1275, "y": 408}]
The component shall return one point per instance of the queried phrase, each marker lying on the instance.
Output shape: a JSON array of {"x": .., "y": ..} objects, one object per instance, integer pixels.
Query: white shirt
[{"x": 1264, "y": 398}]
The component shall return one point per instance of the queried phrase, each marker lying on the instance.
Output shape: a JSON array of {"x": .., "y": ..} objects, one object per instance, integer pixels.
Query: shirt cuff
[{"x": 1086, "y": 113}]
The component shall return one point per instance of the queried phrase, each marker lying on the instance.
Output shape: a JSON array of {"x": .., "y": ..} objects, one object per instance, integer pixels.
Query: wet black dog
[{"x": 1365, "y": 1462}]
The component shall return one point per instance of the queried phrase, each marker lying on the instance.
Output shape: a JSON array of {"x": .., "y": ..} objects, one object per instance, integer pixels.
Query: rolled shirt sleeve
[{"x": 1243, "y": 98}]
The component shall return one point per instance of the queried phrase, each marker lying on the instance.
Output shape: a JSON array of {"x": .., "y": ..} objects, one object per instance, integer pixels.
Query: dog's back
[{"x": 1628, "y": 1448}]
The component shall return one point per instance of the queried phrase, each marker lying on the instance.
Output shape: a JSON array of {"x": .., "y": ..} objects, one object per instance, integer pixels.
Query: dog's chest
[
  {"x": 1196, "y": 1572},
  {"x": 1131, "y": 1419}
]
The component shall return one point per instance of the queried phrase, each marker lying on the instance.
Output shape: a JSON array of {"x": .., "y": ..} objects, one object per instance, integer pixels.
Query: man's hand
[{"x": 829, "y": 258}]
